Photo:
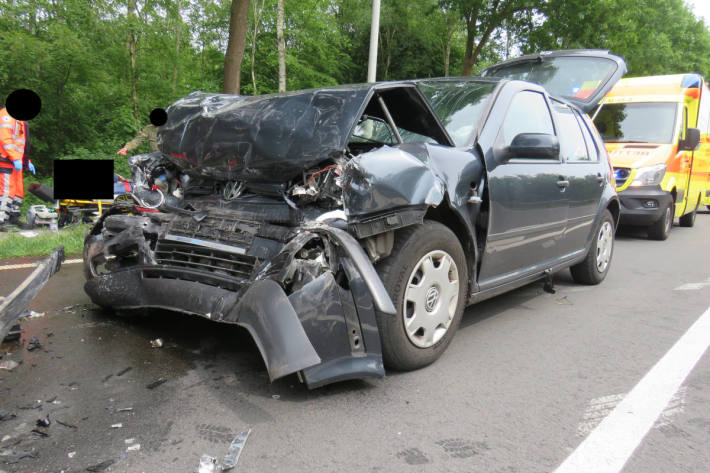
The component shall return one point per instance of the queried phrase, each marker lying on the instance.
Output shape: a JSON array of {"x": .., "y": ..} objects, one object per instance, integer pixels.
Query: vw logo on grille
[{"x": 432, "y": 295}]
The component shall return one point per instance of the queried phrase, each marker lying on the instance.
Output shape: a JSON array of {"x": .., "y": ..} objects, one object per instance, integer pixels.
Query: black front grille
[
  {"x": 218, "y": 226},
  {"x": 621, "y": 175},
  {"x": 186, "y": 255}
]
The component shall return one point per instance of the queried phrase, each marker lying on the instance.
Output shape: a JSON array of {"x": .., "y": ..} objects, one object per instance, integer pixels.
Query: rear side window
[
  {"x": 591, "y": 145},
  {"x": 572, "y": 144},
  {"x": 528, "y": 113}
]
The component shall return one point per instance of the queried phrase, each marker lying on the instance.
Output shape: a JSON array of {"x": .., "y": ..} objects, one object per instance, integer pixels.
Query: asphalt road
[{"x": 527, "y": 377}]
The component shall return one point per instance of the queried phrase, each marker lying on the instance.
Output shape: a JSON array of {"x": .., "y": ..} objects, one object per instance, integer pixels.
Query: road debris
[
  {"x": 35, "y": 405},
  {"x": 124, "y": 371},
  {"x": 157, "y": 343},
  {"x": 8, "y": 365},
  {"x": 156, "y": 383},
  {"x": 207, "y": 464},
  {"x": 65, "y": 424},
  {"x": 129, "y": 441},
  {"x": 134, "y": 448},
  {"x": 125, "y": 409},
  {"x": 276, "y": 397},
  {"x": 116, "y": 426},
  {"x": 44, "y": 422},
  {"x": 9, "y": 456},
  {"x": 40, "y": 433},
  {"x": 31, "y": 314},
  {"x": 34, "y": 344},
  {"x": 107, "y": 377},
  {"x": 71, "y": 454},
  {"x": 235, "y": 449},
  {"x": 100, "y": 466}
]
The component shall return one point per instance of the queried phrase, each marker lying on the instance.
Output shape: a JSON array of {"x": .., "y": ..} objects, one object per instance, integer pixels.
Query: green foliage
[
  {"x": 75, "y": 53},
  {"x": 14, "y": 245}
]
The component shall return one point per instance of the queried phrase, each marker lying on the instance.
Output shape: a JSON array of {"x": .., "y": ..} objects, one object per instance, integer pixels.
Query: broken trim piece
[{"x": 15, "y": 304}]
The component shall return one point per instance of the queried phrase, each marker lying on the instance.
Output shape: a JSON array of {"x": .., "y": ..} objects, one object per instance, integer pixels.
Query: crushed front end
[{"x": 306, "y": 293}]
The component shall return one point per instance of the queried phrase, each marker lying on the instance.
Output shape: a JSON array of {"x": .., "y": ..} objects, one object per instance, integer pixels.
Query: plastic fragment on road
[
  {"x": 157, "y": 343},
  {"x": 33, "y": 344},
  {"x": 133, "y": 448},
  {"x": 65, "y": 424},
  {"x": 124, "y": 371},
  {"x": 129, "y": 441},
  {"x": 207, "y": 464},
  {"x": 235, "y": 449},
  {"x": 8, "y": 365},
  {"x": 124, "y": 409},
  {"x": 156, "y": 383},
  {"x": 28, "y": 233},
  {"x": 100, "y": 466},
  {"x": 44, "y": 422},
  {"x": 31, "y": 314},
  {"x": 71, "y": 454},
  {"x": 116, "y": 426}
]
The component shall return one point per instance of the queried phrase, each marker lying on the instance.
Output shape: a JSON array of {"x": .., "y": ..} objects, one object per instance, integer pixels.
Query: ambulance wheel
[
  {"x": 688, "y": 220},
  {"x": 662, "y": 227}
]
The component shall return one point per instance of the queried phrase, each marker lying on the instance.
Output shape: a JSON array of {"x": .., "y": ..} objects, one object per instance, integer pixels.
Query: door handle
[
  {"x": 563, "y": 183},
  {"x": 600, "y": 178}
]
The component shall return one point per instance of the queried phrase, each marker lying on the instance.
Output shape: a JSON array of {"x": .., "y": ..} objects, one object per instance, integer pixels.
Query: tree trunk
[
  {"x": 471, "y": 31},
  {"x": 132, "y": 55},
  {"x": 281, "y": 46},
  {"x": 447, "y": 56},
  {"x": 235, "y": 46}
]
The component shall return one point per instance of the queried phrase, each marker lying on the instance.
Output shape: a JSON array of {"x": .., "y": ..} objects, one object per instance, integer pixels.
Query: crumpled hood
[
  {"x": 636, "y": 155},
  {"x": 266, "y": 138}
]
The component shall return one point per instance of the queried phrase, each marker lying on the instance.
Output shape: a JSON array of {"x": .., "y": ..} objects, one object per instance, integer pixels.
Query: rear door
[
  {"x": 581, "y": 76},
  {"x": 585, "y": 173}
]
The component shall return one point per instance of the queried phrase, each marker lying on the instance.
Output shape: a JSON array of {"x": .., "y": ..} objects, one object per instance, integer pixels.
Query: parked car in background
[
  {"x": 349, "y": 226},
  {"x": 656, "y": 132}
]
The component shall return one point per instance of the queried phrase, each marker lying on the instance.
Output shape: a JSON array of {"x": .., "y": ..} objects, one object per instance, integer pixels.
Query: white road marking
[
  {"x": 693, "y": 286},
  {"x": 609, "y": 446},
  {"x": 32, "y": 265},
  {"x": 600, "y": 407}
]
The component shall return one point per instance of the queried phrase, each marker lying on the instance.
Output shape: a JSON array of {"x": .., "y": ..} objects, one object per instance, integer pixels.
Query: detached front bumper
[
  {"x": 643, "y": 206},
  {"x": 325, "y": 329}
]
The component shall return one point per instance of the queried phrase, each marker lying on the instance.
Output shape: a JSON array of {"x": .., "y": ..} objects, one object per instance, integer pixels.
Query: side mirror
[
  {"x": 533, "y": 146},
  {"x": 691, "y": 141}
]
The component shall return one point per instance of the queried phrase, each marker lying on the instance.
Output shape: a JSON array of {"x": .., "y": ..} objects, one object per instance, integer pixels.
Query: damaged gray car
[{"x": 347, "y": 228}]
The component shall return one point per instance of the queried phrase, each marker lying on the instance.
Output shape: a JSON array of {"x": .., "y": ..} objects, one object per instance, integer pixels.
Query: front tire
[
  {"x": 426, "y": 276},
  {"x": 593, "y": 269},
  {"x": 662, "y": 227}
]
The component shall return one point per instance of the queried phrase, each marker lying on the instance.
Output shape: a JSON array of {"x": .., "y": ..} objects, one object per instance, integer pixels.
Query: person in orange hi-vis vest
[{"x": 14, "y": 155}]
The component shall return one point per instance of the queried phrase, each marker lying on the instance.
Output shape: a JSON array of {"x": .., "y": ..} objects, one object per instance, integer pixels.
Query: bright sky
[{"x": 701, "y": 8}]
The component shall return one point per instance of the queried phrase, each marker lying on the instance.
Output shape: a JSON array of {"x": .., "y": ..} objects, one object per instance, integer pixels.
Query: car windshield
[
  {"x": 459, "y": 106},
  {"x": 567, "y": 77},
  {"x": 636, "y": 122}
]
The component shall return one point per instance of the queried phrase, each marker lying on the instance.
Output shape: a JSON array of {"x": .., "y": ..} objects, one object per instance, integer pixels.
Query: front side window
[
  {"x": 528, "y": 113},
  {"x": 637, "y": 122},
  {"x": 459, "y": 106}
]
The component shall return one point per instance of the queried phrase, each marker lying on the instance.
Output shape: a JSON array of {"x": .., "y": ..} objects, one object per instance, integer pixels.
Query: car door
[
  {"x": 528, "y": 200},
  {"x": 586, "y": 176}
]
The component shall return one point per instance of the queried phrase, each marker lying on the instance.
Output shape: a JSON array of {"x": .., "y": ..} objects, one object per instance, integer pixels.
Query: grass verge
[{"x": 14, "y": 245}]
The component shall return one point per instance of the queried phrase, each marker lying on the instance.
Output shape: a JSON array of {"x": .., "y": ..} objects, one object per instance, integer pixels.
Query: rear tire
[
  {"x": 662, "y": 227},
  {"x": 593, "y": 269},
  {"x": 426, "y": 276}
]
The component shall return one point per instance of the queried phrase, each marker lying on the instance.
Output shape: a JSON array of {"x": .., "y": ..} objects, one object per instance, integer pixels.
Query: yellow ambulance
[{"x": 656, "y": 133}]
